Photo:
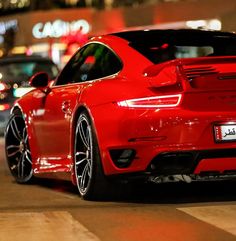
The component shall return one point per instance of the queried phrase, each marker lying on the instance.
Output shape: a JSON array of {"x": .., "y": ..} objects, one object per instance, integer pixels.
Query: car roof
[
  {"x": 151, "y": 35},
  {"x": 24, "y": 58}
]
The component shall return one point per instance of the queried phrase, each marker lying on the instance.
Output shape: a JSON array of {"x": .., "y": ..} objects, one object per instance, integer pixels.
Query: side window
[
  {"x": 94, "y": 61},
  {"x": 68, "y": 73},
  {"x": 110, "y": 64}
]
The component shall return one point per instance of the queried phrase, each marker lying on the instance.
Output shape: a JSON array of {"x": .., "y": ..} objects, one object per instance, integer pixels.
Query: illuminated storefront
[{"x": 59, "y": 28}]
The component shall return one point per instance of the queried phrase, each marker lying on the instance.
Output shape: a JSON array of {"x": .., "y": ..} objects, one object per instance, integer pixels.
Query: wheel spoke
[
  {"x": 27, "y": 157},
  {"x": 83, "y": 177},
  {"x": 80, "y": 161},
  {"x": 25, "y": 136},
  {"x": 13, "y": 167},
  {"x": 88, "y": 136},
  {"x": 21, "y": 167},
  {"x": 17, "y": 147},
  {"x": 15, "y": 130},
  {"x": 80, "y": 153},
  {"x": 83, "y": 135},
  {"x": 28, "y": 151},
  {"x": 90, "y": 167}
]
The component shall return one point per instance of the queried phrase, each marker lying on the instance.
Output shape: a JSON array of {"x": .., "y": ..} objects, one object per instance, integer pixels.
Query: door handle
[{"x": 65, "y": 107}]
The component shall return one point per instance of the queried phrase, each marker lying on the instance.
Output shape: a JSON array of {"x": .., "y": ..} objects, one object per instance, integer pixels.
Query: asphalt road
[{"x": 52, "y": 210}]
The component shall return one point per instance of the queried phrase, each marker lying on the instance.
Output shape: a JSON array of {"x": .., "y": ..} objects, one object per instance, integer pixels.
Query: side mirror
[{"x": 40, "y": 80}]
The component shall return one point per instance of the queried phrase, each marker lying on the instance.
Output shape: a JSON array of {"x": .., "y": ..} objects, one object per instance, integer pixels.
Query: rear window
[
  {"x": 193, "y": 51},
  {"x": 168, "y": 51},
  {"x": 163, "y": 45}
]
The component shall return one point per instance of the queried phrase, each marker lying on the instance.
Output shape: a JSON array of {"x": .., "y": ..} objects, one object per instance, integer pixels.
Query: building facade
[{"x": 48, "y": 32}]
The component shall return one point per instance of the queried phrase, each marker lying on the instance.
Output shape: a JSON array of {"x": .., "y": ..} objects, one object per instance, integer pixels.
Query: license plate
[{"x": 225, "y": 133}]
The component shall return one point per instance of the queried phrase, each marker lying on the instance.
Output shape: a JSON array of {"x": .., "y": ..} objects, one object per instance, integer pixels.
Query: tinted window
[
  {"x": 93, "y": 61},
  {"x": 165, "y": 52},
  {"x": 162, "y": 45}
]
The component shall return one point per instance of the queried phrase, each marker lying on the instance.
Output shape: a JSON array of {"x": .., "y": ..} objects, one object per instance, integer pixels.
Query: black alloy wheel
[
  {"x": 91, "y": 182},
  {"x": 17, "y": 149}
]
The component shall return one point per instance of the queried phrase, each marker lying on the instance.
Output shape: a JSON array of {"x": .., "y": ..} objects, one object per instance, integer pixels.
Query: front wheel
[
  {"x": 17, "y": 149},
  {"x": 91, "y": 182}
]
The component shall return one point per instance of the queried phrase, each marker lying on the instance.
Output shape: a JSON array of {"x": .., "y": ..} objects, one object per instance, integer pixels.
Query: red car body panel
[{"x": 187, "y": 127}]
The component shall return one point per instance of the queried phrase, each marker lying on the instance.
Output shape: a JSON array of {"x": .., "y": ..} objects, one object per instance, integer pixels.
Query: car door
[{"x": 53, "y": 119}]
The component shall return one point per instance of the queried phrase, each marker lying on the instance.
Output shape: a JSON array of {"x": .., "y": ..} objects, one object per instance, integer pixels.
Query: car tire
[
  {"x": 17, "y": 149},
  {"x": 91, "y": 181}
]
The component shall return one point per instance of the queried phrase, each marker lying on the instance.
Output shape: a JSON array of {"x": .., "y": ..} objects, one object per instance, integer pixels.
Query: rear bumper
[
  {"x": 207, "y": 165},
  {"x": 217, "y": 162},
  {"x": 158, "y": 160},
  {"x": 165, "y": 141},
  {"x": 187, "y": 178}
]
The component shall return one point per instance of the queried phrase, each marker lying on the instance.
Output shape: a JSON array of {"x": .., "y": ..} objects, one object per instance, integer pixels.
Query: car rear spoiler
[{"x": 183, "y": 70}]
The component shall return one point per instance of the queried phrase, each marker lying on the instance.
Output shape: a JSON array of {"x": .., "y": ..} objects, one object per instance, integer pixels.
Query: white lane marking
[
  {"x": 38, "y": 226},
  {"x": 223, "y": 217}
]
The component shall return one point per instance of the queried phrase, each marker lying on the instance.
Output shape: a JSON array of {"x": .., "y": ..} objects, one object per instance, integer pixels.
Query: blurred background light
[{"x": 212, "y": 24}]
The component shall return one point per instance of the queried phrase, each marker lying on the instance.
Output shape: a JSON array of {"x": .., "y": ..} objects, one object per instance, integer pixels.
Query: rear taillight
[
  {"x": 152, "y": 102},
  {"x": 4, "y": 107}
]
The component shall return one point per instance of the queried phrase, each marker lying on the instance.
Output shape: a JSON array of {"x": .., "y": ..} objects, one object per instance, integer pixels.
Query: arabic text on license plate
[{"x": 225, "y": 132}]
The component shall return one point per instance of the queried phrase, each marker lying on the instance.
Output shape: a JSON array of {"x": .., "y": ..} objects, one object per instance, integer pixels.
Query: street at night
[
  {"x": 52, "y": 210},
  {"x": 117, "y": 120}
]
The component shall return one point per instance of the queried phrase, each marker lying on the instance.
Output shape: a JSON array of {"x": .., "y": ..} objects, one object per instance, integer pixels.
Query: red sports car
[{"x": 154, "y": 105}]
